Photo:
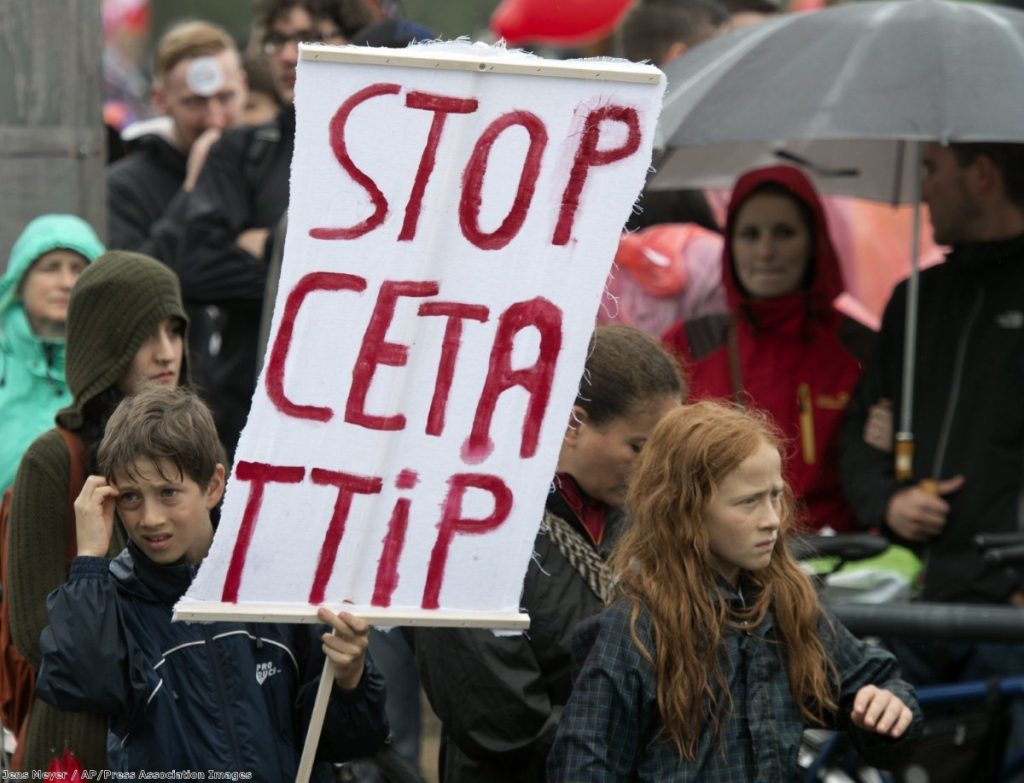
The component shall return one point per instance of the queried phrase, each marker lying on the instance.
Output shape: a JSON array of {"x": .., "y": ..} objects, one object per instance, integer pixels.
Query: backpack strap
[
  {"x": 735, "y": 373},
  {"x": 707, "y": 334},
  {"x": 260, "y": 149},
  {"x": 78, "y": 458}
]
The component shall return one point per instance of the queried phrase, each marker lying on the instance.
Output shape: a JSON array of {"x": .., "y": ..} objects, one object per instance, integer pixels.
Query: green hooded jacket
[{"x": 32, "y": 387}]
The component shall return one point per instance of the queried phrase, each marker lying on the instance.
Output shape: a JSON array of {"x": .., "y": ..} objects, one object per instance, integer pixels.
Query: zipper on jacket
[
  {"x": 803, "y": 398},
  {"x": 49, "y": 351},
  {"x": 229, "y": 720},
  {"x": 954, "y": 394}
]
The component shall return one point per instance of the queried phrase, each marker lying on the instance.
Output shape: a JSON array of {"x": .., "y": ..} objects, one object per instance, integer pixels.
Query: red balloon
[{"x": 557, "y": 21}]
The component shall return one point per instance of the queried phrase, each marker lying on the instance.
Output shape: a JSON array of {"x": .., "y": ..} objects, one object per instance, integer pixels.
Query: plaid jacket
[{"x": 610, "y": 725}]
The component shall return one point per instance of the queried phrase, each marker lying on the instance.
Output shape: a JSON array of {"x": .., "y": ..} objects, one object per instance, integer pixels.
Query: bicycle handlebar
[
  {"x": 1005, "y": 555},
  {"x": 992, "y": 540},
  {"x": 963, "y": 622},
  {"x": 853, "y": 546}
]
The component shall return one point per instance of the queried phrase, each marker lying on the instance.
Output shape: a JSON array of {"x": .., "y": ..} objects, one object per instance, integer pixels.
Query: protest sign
[{"x": 454, "y": 212}]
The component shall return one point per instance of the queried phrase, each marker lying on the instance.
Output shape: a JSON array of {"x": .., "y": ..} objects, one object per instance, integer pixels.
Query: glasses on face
[{"x": 274, "y": 41}]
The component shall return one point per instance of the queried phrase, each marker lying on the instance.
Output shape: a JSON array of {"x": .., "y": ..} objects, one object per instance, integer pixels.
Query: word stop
[{"x": 589, "y": 154}]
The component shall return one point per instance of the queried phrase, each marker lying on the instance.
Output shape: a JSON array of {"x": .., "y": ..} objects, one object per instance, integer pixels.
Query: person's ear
[
  {"x": 159, "y": 98},
  {"x": 577, "y": 419},
  {"x": 215, "y": 488},
  {"x": 985, "y": 175},
  {"x": 675, "y": 50}
]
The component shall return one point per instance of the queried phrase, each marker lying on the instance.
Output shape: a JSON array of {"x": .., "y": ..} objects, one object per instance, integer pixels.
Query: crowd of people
[{"x": 673, "y": 636}]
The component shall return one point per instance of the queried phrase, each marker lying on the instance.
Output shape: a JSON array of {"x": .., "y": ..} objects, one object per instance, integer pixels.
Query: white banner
[{"x": 454, "y": 213}]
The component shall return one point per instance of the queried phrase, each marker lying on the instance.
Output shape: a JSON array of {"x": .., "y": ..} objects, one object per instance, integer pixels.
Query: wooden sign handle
[{"x": 316, "y": 723}]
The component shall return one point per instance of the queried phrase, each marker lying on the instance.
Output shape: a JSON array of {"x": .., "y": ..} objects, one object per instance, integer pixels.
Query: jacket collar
[
  {"x": 152, "y": 581},
  {"x": 43, "y": 358},
  {"x": 994, "y": 252},
  {"x": 786, "y": 315},
  {"x": 740, "y": 597},
  {"x": 163, "y": 152}
]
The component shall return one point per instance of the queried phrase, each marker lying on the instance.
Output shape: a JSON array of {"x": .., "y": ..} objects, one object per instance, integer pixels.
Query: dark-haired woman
[
  {"x": 499, "y": 698},
  {"x": 783, "y": 347}
]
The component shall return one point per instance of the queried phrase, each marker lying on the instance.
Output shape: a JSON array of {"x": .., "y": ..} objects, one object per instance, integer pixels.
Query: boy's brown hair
[
  {"x": 161, "y": 423},
  {"x": 189, "y": 40}
]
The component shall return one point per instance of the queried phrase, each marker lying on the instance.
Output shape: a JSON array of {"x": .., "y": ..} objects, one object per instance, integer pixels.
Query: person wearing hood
[
  {"x": 44, "y": 264},
  {"x": 125, "y": 329},
  {"x": 199, "y": 90},
  {"x": 783, "y": 347}
]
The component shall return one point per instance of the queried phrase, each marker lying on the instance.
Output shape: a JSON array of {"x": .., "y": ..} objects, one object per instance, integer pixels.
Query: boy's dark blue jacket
[{"x": 198, "y": 696}]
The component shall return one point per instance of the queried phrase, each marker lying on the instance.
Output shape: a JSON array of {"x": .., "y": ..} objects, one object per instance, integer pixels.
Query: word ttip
[{"x": 348, "y": 486}]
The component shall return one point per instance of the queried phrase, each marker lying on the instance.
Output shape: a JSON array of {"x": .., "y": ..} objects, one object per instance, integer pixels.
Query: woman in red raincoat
[{"x": 782, "y": 347}]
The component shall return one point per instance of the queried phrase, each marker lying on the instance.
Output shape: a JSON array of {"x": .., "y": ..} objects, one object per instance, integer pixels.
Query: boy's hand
[
  {"x": 94, "y": 516},
  {"x": 880, "y": 711},
  {"x": 346, "y": 647}
]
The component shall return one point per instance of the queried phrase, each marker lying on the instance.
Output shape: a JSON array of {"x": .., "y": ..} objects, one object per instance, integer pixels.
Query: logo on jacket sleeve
[
  {"x": 1010, "y": 319},
  {"x": 266, "y": 670}
]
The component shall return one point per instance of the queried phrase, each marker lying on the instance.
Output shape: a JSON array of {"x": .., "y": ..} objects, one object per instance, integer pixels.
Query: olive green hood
[{"x": 115, "y": 306}]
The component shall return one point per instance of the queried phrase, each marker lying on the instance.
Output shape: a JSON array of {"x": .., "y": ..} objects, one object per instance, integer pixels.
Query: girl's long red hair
[{"x": 665, "y": 565}]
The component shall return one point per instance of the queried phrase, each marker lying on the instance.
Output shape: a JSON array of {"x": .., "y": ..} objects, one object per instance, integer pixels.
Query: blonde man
[{"x": 200, "y": 87}]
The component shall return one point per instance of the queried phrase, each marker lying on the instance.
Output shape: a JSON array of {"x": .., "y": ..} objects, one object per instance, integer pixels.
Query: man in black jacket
[
  {"x": 238, "y": 200},
  {"x": 200, "y": 90},
  {"x": 968, "y": 403}
]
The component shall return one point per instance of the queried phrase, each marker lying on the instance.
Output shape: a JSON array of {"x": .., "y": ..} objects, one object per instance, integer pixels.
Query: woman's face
[
  {"x": 601, "y": 457},
  {"x": 771, "y": 245},
  {"x": 46, "y": 290},
  {"x": 744, "y": 514},
  {"x": 158, "y": 360}
]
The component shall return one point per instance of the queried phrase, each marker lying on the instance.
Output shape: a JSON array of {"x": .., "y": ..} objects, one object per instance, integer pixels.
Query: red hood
[{"x": 827, "y": 281}]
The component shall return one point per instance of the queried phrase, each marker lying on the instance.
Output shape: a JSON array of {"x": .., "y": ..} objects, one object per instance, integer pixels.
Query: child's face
[
  {"x": 743, "y": 516},
  {"x": 601, "y": 457},
  {"x": 166, "y": 514}
]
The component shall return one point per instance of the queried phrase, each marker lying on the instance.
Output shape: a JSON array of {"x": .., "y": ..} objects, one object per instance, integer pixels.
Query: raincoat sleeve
[
  {"x": 355, "y": 724},
  {"x": 86, "y": 661},
  {"x": 867, "y": 473},
  {"x": 613, "y": 707},
  {"x": 858, "y": 664},
  {"x": 37, "y": 537},
  {"x": 489, "y": 693},
  {"x": 210, "y": 264}
]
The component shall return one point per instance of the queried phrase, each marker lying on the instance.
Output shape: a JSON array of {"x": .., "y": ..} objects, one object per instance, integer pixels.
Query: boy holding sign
[{"x": 221, "y": 696}]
